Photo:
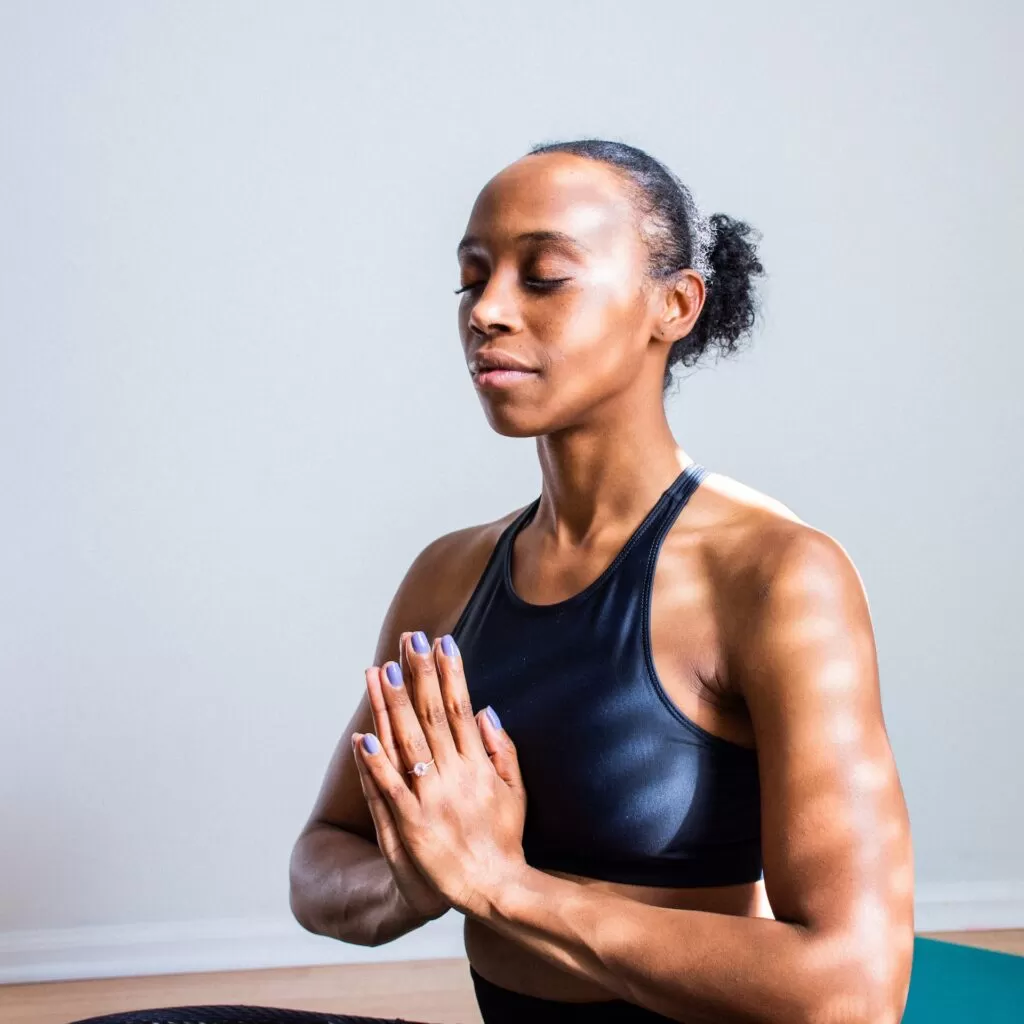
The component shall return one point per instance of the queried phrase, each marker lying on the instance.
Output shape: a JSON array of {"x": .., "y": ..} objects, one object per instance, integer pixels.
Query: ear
[{"x": 682, "y": 300}]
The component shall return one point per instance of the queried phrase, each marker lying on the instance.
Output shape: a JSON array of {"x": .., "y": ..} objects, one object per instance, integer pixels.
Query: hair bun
[{"x": 731, "y": 303}]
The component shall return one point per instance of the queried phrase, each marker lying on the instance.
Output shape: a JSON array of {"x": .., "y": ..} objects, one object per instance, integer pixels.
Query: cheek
[
  {"x": 594, "y": 333},
  {"x": 597, "y": 353}
]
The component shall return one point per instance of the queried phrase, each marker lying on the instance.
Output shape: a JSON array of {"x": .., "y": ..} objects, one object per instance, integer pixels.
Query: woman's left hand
[{"x": 462, "y": 820}]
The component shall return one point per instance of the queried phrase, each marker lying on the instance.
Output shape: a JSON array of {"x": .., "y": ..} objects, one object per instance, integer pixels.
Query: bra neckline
[{"x": 530, "y": 511}]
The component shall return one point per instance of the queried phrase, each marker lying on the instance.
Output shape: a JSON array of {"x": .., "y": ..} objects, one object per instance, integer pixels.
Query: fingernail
[
  {"x": 449, "y": 646},
  {"x": 493, "y": 716},
  {"x": 370, "y": 743},
  {"x": 394, "y": 673},
  {"x": 419, "y": 642}
]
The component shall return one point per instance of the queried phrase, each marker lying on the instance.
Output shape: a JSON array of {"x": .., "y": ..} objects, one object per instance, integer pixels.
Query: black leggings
[
  {"x": 236, "y": 1015},
  {"x": 502, "y": 1006}
]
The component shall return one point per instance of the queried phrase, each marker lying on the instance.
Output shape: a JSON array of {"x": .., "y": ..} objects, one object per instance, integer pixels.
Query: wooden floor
[{"x": 422, "y": 990}]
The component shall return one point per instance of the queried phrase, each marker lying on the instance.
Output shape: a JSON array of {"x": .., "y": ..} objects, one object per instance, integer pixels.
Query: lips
[{"x": 484, "y": 361}]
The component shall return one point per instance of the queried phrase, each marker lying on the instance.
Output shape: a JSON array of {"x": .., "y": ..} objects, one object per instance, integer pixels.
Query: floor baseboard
[
  {"x": 112, "y": 951},
  {"x": 109, "y": 951}
]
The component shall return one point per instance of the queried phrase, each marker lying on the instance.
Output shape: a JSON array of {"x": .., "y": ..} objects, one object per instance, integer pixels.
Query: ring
[{"x": 420, "y": 767}]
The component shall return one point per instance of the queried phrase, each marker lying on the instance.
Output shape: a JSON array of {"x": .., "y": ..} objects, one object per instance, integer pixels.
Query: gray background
[{"x": 233, "y": 405}]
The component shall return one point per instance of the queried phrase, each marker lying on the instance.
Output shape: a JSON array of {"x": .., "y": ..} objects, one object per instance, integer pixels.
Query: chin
[
  {"x": 511, "y": 422},
  {"x": 515, "y": 429}
]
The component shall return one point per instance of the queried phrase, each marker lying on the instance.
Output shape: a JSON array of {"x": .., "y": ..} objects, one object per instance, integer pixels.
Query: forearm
[
  {"x": 342, "y": 887},
  {"x": 691, "y": 966}
]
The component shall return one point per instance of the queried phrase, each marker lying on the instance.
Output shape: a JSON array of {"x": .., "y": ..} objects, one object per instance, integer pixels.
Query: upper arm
[
  {"x": 835, "y": 830},
  {"x": 431, "y": 594}
]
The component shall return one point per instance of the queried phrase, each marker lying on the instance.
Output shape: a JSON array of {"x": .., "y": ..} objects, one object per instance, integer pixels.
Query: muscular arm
[
  {"x": 835, "y": 835},
  {"x": 340, "y": 883}
]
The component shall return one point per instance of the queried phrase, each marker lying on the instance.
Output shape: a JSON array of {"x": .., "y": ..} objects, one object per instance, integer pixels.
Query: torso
[{"x": 705, "y": 566}]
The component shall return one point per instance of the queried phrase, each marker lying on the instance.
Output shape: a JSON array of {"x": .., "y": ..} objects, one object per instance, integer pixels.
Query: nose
[{"x": 495, "y": 308}]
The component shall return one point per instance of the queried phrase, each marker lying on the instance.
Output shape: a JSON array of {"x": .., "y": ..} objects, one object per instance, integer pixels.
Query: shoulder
[
  {"x": 754, "y": 542},
  {"x": 785, "y": 587},
  {"x": 440, "y": 580}
]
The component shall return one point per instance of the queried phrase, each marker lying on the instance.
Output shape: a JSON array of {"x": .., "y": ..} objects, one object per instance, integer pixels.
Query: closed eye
[{"x": 544, "y": 284}]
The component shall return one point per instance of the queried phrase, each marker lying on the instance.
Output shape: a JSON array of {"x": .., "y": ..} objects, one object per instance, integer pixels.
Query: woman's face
[{"x": 553, "y": 266}]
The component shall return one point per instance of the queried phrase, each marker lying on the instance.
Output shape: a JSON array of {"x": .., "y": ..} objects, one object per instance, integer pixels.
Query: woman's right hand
[{"x": 413, "y": 886}]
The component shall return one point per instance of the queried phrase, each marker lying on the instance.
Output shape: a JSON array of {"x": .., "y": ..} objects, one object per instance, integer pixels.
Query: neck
[{"x": 602, "y": 473}]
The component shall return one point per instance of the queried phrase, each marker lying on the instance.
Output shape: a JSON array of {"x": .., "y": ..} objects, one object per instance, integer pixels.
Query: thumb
[{"x": 500, "y": 748}]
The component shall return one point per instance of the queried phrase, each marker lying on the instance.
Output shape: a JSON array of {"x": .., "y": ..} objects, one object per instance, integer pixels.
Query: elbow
[
  {"x": 852, "y": 1006},
  {"x": 859, "y": 994},
  {"x": 298, "y": 899},
  {"x": 299, "y": 913},
  {"x": 300, "y": 909},
  {"x": 313, "y": 906}
]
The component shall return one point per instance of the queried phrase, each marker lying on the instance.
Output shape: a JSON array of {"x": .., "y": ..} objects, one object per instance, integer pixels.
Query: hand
[
  {"x": 462, "y": 821},
  {"x": 417, "y": 891}
]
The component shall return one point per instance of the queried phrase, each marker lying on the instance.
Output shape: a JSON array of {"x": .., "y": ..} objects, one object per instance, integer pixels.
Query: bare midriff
[{"x": 504, "y": 962}]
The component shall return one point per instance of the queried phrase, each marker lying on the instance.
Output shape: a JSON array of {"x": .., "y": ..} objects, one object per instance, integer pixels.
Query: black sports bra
[{"x": 620, "y": 784}]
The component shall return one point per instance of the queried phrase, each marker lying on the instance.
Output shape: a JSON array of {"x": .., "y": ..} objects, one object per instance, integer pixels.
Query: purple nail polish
[
  {"x": 419, "y": 642},
  {"x": 394, "y": 673},
  {"x": 493, "y": 716},
  {"x": 370, "y": 742},
  {"x": 449, "y": 646}
]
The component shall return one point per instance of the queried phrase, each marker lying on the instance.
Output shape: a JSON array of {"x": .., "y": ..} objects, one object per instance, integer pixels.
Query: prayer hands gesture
[{"x": 453, "y": 833}]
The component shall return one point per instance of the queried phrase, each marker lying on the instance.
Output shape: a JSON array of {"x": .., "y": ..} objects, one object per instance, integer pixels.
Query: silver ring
[{"x": 420, "y": 767}]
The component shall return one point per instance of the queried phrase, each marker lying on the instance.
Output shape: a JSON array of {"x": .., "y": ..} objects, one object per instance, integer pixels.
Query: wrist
[
  {"x": 419, "y": 912},
  {"x": 497, "y": 899},
  {"x": 398, "y": 917}
]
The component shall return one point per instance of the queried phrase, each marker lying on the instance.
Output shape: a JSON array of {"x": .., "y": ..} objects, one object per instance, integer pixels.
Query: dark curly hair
[{"x": 721, "y": 249}]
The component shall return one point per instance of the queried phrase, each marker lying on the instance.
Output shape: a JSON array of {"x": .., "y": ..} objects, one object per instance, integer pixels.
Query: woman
[{"x": 685, "y": 805}]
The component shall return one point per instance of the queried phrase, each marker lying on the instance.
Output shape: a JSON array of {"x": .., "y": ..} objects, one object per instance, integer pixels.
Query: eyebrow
[{"x": 558, "y": 238}]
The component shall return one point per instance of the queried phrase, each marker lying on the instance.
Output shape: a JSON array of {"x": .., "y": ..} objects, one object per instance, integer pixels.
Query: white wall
[{"x": 228, "y": 353}]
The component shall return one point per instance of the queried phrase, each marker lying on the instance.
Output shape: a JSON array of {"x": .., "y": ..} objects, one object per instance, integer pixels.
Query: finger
[
  {"x": 405, "y": 724},
  {"x": 500, "y": 749},
  {"x": 380, "y": 811},
  {"x": 381, "y": 718},
  {"x": 401, "y": 800},
  {"x": 420, "y": 672},
  {"x": 455, "y": 695}
]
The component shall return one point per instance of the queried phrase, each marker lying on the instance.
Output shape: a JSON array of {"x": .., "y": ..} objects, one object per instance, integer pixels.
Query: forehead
[{"x": 557, "y": 192}]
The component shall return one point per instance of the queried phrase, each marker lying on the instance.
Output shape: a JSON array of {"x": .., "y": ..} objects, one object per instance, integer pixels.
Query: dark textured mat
[{"x": 235, "y": 1015}]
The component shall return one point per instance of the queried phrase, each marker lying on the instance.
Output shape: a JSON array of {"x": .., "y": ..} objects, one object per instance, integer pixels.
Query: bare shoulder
[
  {"x": 769, "y": 568},
  {"x": 439, "y": 582},
  {"x": 752, "y": 541}
]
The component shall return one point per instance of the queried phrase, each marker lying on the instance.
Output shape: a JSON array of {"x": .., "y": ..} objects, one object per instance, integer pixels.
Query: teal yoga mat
[{"x": 959, "y": 983}]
